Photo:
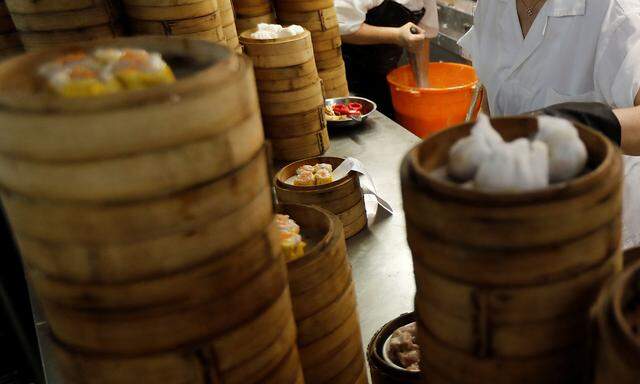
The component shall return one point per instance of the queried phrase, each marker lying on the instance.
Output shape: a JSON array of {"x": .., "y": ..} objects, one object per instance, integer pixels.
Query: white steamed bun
[
  {"x": 567, "y": 153},
  {"x": 518, "y": 166},
  {"x": 467, "y": 153}
]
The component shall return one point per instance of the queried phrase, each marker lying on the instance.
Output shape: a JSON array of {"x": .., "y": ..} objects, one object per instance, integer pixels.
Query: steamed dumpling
[
  {"x": 467, "y": 153},
  {"x": 518, "y": 166},
  {"x": 567, "y": 153}
]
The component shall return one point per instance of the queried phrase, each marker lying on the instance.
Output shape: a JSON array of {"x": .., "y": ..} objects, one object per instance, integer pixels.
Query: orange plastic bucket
[{"x": 445, "y": 103}]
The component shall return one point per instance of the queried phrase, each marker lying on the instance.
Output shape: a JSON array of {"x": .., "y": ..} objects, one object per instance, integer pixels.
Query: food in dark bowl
[{"x": 402, "y": 349}]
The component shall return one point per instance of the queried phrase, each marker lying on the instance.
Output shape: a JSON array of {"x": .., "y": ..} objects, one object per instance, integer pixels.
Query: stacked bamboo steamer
[
  {"x": 290, "y": 94},
  {"x": 146, "y": 222},
  {"x": 200, "y": 19},
  {"x": 505, "y": 281},
  {"x": 324, "y": 301},
  {"x": 617, "y": 346},
  {"x": 250, "y": 13},
  {"x": 51, "y": 23},
  {"x": 228, "y": 21},
  {"x": 9, "y": 40},
  {"x": 343, "y": 198},
  {"x": 319, "y": 17}
]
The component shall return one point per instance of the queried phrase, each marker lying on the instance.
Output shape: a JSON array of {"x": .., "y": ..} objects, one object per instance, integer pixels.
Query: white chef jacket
[
  {"x": 576, "y": 50},
  {"x": 352, "y": 13}
]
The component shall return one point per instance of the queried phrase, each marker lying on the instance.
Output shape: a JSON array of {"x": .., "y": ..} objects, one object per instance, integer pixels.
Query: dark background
[{"x": 19, "y": 356}]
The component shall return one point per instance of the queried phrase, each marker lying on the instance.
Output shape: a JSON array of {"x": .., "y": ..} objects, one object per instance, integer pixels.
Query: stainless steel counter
[{"x": 379, "y": 255}]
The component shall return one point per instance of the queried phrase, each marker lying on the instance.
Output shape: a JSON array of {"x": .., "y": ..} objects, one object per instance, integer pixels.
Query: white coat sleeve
[
  {"x": 617, "y": 67},
  {"x": 429, "y": 21},
  {"x": 352, "y": 13}
]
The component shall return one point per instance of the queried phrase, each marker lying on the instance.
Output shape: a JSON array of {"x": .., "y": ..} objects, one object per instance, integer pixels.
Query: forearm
[
  {"x": 369, "y": 34},
  {"x": 630, "y": 125}
]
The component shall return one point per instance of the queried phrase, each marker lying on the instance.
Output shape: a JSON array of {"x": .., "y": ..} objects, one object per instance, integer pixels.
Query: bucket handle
[{"x": 475, "y": 99}]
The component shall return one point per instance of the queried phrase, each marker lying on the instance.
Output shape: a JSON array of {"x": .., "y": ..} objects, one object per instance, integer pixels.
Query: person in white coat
[
  {"x": 374, "y": 33},
  {"x": 574, "y": 58}
]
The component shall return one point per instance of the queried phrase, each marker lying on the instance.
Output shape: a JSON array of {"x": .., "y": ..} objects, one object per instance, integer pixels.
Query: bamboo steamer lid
[
  {"x": 177, "y": 27},
  {"x": 617, "y": 346},
  {"x": 180, "y": 11},
  {"x": 303, "y": 5},
  {"x": 317, "y": 20},
  {"x": 57, "y": 39},
  {"x": 300, "y": 147},
  {"x": 250, "y": 22},
  {"x": 88, "y": 125},
  {"x": 277, "y": 53}
]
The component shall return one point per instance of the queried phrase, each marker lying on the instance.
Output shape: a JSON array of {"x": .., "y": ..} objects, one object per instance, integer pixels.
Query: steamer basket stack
[
  {"x": 324, "y": 301},
  {"x": 9, "y": 40},
  {"x": 616, "y": 340},
  {"x": 200, "y": 19},
  {"x": 250, "y": 13},
  {"x": 505, "y": 281},
  {"x": 290, "y": 92},
  {"x": 228, "y": 21},
  {"x": 51, "y": 23},
  {"x": 319, "y": 17},
  {"x": 146, "y": 223}
]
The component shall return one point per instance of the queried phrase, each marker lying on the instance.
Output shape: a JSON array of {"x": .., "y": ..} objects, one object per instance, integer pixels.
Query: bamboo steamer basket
[
  {"x": 276, "y": 127},
  {"x": 277, "y": 53},
  {"x": 302, "y": 5},
  {"x": 485, "y": 315},
  {"x": 34, "y": 41},
  {"x": 300, "y": 147},
  {"x": 103, "y": 242},
  {"x": 53, "y": 15},
  {"x": 226, "y": 12},
  {"x": 205, "y": 23},
  {"x": 149, "y": 10},
  {"x": 286, "y": 78},
  {"x": 33, "y": 143},
  {"x": 617, "y": 347},
  {"x": 195, "y": 363},
  {"x": 334, "y": 78},
  {"x": 319, "y": 281},
  {"x": 330, "y": 63},
  {"x": 342, "y": 197},
  {"x": 315, "y": 21},
  {"x": 252, "y": 8},
  {"x": 250, "y": 22},
  {"x": 382, "y": 372},
  {"x": 299, "y": 101}
]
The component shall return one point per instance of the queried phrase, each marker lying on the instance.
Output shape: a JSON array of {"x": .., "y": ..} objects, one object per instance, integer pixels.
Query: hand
[{"x": 410, "y": 41}]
